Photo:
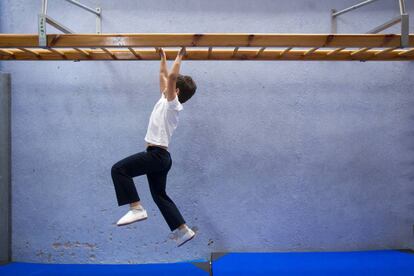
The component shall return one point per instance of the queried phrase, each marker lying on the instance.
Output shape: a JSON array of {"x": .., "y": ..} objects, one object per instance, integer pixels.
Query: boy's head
[{"x": 186, "y": 88}]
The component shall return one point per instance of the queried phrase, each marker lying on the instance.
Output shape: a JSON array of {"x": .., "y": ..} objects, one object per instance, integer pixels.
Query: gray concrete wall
[
  {"x": 268, "y": 156},
  {"x": 5, "y": 163}
]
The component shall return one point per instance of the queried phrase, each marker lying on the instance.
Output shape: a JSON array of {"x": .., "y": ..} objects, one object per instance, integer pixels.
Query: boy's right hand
[{"x": 182, "y": 52}]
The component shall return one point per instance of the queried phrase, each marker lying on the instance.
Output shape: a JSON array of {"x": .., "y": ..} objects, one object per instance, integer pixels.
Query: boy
[{"x": 156, "y": 161}]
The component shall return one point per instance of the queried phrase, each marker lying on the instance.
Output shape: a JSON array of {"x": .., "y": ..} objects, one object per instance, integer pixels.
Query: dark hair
[{"x": 187, "y": 87}]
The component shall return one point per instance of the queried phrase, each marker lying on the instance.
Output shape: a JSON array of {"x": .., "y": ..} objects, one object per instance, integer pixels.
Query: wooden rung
[
  {"x": 385, "y": 51},
  {"x": 210, "y": 50},
  {"x": 109, "y": 53},
  {"x": 57, "y": 52},
  {"x": 360, "y": 51},
  {"x": 260, "y": 51},
  {"x": 6, "y": 52},
  {"x": 335, "y": 51},
  {"x": 235, "y": 52},
  {"x": 285, "y": 51},
  {"x": 310, "y": 51},
  {"x": 406, "y": 53},
  {"x": 29, "y": 51},
  {"x": 137, "y": 55},
  {"x": 205, "y": 40},
  {"x": 83, "y": 52}
]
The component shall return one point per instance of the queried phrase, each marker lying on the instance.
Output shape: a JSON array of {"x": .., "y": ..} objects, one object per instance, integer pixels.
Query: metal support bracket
[
  {"x": 386, "y": 25},
  {"x": 58, "y": 25},
  {"x": 42, "y": 30},
  {"x": 99, "y": 21},
  {"x": 44, "y": 19},
  {"x": 403, "y": 18},
  {"x": 353, "y": 7}
]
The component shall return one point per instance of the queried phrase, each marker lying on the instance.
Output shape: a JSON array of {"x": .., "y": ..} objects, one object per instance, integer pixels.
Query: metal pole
[
  {"x": 84, "y": 6},
  {"x": 404, "y": 30},
  {"x": 353, "y": 7},
  {"x": 402, "y": 6},
  {"x": 405, "y": 26},
  {"x": 5, "y": 169},
  {"x": 334, "y": 27},
  {"x": 44, "y": 7}
]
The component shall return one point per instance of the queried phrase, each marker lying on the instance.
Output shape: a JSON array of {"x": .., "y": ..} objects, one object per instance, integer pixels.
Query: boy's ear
[{"x": 177, "y": 90}]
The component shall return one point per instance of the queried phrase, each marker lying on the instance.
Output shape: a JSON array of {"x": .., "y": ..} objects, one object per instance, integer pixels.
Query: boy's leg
[
  {"x": 157, "y": 183},
  {"x": 124, "y": 170}
]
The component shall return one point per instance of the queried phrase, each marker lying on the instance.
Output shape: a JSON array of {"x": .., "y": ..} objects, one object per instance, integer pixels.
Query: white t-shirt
[{"x": 163, "y": 121}]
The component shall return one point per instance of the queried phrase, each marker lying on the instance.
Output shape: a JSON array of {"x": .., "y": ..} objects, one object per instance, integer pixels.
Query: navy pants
[{"x": 155, "y": 162}]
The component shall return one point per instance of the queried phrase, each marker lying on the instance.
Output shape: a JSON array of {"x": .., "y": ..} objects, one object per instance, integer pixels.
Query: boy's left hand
[{"x": 162, "y": 53}]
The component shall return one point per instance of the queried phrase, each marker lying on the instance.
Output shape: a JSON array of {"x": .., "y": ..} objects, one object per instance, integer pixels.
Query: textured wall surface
[{"x": 268, "y": 156}]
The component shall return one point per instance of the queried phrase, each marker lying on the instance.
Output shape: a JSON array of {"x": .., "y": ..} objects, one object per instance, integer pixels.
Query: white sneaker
[
  {"x": 182, "y": 236},
  {"x": 133, "y": 215}
]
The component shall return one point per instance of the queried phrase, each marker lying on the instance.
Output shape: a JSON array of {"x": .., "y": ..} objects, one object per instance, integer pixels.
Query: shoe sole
[
  {"x": 132, "y": 222},
  {"x": 187, "y": 240}
]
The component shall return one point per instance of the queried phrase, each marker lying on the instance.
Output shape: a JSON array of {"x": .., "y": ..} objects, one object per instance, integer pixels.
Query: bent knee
[
  {"x": 159, "y": 196},
  {"x": 116, "y": 168}
]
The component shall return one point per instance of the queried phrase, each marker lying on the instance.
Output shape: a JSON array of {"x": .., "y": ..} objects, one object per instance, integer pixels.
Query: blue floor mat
[
  {"x": 31, "y": 269},
  {"x": 381, "y": 262},
  {"x": 366, "y": 263}
]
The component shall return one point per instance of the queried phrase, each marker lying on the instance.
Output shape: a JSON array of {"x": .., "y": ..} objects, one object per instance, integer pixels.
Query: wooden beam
[
  {"x": 205, "y": 40},
  {"x": 202, "y": 54}
]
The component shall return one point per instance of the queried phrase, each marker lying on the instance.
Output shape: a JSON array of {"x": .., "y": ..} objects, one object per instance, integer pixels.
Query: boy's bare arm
[
  {"x": 173, "y": 74},
  {"x": 163, "y": 70}
]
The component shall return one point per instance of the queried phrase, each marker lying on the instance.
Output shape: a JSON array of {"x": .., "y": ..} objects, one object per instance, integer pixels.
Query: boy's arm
[
  {"x": 163, "y": 70},
  {"x": 172, "y": 76}
]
